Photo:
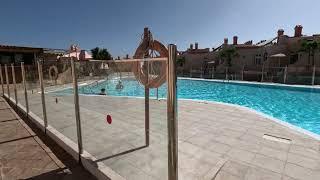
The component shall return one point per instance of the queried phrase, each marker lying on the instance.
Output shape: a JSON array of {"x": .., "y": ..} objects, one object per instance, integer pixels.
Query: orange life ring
[{"x": 137, "y": 68}]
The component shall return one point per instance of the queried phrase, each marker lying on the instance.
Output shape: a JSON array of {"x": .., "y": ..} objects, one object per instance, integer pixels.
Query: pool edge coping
[{"x": 253, "y": 82}]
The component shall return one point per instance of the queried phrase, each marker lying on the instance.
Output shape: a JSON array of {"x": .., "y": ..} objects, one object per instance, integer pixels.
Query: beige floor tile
[
  {"x": 300, "y": 173},
  {"x": 266, "y": 162},
  {"x": 274, "y": 153},
  {"x": 222, "y": 175},
  {"x": 304, "y": 161},
  {"x": 240, "y": 155},
  {"x": 261, "y": 174}
]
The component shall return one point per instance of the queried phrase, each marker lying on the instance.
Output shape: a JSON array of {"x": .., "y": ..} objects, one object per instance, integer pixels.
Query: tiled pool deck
[
  {"x": 25, "y": 153},
  {"x": 215, "y": 140}
]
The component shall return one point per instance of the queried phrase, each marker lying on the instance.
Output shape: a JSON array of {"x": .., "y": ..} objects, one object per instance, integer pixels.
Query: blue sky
[{"x": 117, "y": 25}]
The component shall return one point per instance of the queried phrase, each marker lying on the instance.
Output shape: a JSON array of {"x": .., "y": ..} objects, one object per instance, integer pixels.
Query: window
[
  {"x": 5, "y": 59},
  {"x": 258, "y": 59},
  {"x": 18, "y": 58}
]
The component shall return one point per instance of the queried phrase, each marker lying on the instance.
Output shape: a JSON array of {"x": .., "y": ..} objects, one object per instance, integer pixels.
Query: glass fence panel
[
  {"x": 20, "y": 86},
  {"x": 3, "y": 76},
  {"x": 254, "y": 73},
  {"x": 8, "y": 80},
  {"x": 113, "y": 116},
  {"x": 300, "y": 75},
  {"x": 13, "y": 86},
  {"x": 33, "y": 90},
  {"x": 59, "y": 97}
]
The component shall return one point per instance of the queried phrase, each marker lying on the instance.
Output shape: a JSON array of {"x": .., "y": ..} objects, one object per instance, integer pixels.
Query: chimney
[
  {"x": 146, "y": 33},
  {"x": 280, "y": 32},
  {"x": 191, "y": 46},
  {"x": 82, "y": 55},
  {"x": 235, "y": 40},
  {"x": 298, "y": 31},
  {"x": 196, "y": 45},
  {"x": 225, "y": 41}
]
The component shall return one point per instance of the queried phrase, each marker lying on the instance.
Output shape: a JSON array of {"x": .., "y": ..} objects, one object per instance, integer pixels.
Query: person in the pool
[
  {"x": 103, "y": 91},
  {"x": 119, "y": 86}
]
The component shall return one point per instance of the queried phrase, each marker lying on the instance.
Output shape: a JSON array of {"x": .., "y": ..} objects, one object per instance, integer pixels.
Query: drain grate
[{"x": 276, "y": 138}]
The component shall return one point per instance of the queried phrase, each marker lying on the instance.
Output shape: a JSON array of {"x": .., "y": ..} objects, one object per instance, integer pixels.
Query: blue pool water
[{"x": 295, "y": 105}]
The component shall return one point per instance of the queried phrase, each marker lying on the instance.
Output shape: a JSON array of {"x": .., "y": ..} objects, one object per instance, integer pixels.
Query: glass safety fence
[
  {"x": 59, "y": 97},
  {"x": 123, "y": 115},
  {"x": 34, "y": 90}
]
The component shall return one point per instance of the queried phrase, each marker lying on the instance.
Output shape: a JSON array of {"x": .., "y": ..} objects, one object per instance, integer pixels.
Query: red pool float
[{"x": 109, "y": 119}]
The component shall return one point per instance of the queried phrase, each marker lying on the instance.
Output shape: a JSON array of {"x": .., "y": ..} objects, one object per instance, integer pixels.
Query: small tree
[
  {"x": 227, "y": 54},
  {"x": 181, "y": 61},
  {"x": 101, "y": 54},
  {"x": 309, "y": 47}
]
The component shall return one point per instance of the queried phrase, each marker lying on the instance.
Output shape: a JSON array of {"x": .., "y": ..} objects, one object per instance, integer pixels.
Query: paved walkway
[{"x": 25, "y": 153}]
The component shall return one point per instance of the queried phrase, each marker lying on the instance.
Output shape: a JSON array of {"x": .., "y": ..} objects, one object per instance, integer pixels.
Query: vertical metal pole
[
  {"x": 212, "y": 73},
  {"x": 172, "y": 115},
  {"x": 201, "y": 75},
  {"x": 313, "y": 74},
  {"x": 14, "y": 83},
  {"x": 157, "y": 93},
  {"x": 77, "y": 107},
  {"x": 227, "y": 73},
  {"x": 262, "y": 73},
  {"x": 242, "y": 73},
  {"x": 25, "y": 87},
  {"x": 285, "y": 75},
  {"x": 7, "y": 80},
  {"x": 1, "y": 77},
  {"x": 147, "y": 109},
  {"x": 44, "y": 110}
]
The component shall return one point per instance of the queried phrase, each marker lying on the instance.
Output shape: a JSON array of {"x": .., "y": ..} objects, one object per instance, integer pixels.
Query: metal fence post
[
  {"x": 172, "y": 115},
  {"x": 14, "y": 83},
  {"x": 212, "y": 73},
  {"x": 157, "y": 91},
  {"x": 242, "y": 72},
  {"x": 77, "y": 107},
  {"x": 313, "y": 74},
  {"x": 147, "y": 109},
  {"x": 44, "y": 110},
  {"x": 1, "y": 77},
  {"x": 25, "y": 87},
  {"x": 227, "y": 77},
  {"x": 7, "y": 80},
  {"x": 285, "y": 75}
]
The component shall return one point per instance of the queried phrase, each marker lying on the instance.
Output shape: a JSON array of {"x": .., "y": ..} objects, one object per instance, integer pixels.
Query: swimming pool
[{"x": 295, "y": 105}]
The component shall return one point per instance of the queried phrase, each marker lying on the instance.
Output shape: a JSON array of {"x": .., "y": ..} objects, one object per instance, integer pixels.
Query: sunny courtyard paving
[
  {"x": 215, "y": 140},
  {"x": 25, "y": 153}
]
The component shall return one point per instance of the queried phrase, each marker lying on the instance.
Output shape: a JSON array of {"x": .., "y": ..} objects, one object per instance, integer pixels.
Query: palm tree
[
  {"x": 309, "y": 47},
  {"x": 227, "y": 54}
]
